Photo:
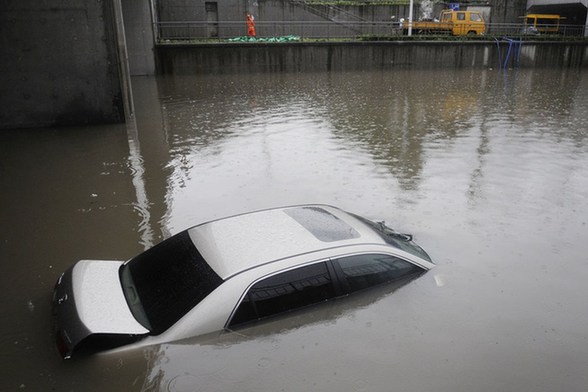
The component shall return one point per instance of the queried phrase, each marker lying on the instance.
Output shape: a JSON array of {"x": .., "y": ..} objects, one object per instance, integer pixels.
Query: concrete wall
[
  {"x": 502, "y": 11},
  {"x": 58, "y": 63},
  {"x": 287, "y": 10},
  {"x": 139, "y": 36},
  {"x": 275, "y": 10},
  {"x": 231, "y": 17},
  {"x": 507, "y": 11},
  {"x": 303, "y": 57},
  {"x": 194, "y": 10}
]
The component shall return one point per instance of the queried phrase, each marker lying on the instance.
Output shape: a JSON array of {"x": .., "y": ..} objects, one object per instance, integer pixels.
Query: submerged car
[{"x": 227, "y": 273}]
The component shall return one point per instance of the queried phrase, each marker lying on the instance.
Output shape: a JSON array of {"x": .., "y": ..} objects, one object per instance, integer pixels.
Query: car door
[
  {"x": 315, "y": 283},
  {"x": 285, "y": 291}
]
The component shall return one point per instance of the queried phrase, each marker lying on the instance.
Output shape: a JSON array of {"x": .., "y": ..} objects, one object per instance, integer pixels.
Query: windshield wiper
[{"x": 391, "y": 233}]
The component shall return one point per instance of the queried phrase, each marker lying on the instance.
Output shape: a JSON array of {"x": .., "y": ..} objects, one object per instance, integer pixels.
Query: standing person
[{"x": 250, "y": 25}]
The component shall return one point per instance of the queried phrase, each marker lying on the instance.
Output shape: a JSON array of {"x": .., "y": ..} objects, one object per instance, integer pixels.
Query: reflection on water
[
  {"x": 342, "y": 131},
  {"x": 136, "y": 166},
  {"x": 287, "y": 336},
  {"x": 488, "y": 170}
]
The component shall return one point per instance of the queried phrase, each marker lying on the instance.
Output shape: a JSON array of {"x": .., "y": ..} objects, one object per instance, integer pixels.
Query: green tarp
[{"x": 286, "y": 38}]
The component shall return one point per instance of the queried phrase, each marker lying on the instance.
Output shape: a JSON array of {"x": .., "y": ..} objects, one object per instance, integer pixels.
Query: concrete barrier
[
  {"x": 60, "y": 64},
  {"x": 353, "y": 56}
]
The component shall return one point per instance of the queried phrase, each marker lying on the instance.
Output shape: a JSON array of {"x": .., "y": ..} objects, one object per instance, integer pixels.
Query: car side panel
[{"x": 214, "y": 312}]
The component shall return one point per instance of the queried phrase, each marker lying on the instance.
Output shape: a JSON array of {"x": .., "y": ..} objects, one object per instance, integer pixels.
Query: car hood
[{"x": 89, "y": 300}]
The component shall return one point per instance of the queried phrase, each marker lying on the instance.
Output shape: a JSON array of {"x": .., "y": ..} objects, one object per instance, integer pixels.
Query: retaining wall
[
  {"x": 302, "y": 57},
  {"x": 59, "y": 63}
]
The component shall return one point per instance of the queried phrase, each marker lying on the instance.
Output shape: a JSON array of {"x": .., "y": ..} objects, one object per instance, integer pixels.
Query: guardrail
[{"x": 329, "y": 30}]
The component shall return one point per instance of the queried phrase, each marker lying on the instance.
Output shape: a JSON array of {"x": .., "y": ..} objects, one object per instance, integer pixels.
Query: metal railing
[
  {"x": 518, "y": 30},
  {"x": 328, "y": 30},
  {"x": 302, "y": 29}
]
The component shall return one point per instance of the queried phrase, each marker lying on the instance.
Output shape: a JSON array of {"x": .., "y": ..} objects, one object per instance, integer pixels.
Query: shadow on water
[{"x": 65, "y": 196}]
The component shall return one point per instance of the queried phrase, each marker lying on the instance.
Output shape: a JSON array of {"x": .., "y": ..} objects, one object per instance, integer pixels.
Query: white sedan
[{"x": 228, "y": 273}]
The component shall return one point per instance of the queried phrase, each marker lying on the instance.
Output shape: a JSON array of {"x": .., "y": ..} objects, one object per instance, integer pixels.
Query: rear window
[{"x": 163, "y": 283}]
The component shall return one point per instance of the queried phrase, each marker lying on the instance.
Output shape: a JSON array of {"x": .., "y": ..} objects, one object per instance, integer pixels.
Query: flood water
[{"x": 487, "y": 169}]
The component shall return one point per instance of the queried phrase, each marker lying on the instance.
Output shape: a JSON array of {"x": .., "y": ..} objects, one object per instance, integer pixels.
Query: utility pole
[{"x": 410, "y": 18}]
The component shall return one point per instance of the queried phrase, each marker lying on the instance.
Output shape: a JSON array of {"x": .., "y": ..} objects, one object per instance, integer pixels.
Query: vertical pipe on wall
[
  {"x": 123, "y": 60},
  {"x": 410, "y": 17},
  {"x": 154, "y": 20}
]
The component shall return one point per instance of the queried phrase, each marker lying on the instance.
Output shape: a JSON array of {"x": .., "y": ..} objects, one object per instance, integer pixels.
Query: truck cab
[{"x": 464, "y": 22}]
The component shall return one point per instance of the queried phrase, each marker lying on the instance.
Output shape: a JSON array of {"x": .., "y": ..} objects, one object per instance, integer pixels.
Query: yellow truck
[
  {"x": 450, "y": 22},
  {"x": 541, "y": 23}
]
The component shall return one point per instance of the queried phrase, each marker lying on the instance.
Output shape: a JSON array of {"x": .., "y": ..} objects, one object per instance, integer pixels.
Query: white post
[{"x": 410, "y": 18}]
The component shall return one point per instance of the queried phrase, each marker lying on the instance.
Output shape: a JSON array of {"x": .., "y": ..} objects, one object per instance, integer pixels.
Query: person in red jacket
[{"x": 250, "y": 25}]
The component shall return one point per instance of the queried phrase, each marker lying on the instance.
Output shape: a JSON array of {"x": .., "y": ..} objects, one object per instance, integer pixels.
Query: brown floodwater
[{"x": 488, "y": 170}]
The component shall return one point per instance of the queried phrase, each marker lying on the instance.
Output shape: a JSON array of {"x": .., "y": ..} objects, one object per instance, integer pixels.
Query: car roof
[{"x": 235, "y": 244}]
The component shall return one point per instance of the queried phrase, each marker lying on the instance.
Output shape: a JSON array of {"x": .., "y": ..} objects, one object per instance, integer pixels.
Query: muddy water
[{"x": 488, "y": 170}]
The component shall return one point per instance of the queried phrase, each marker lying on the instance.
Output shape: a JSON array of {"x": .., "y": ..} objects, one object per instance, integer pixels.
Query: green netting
[{"x": 286, "y": 38}]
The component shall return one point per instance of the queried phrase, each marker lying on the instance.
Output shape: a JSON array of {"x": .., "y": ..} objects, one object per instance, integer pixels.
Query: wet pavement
[{"x": 488, "y": 170}]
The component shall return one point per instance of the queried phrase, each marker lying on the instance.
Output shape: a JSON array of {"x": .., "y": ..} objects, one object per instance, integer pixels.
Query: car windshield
[
  {"x": 163, "y": 283},
  {"x": 398, "y": 240}
]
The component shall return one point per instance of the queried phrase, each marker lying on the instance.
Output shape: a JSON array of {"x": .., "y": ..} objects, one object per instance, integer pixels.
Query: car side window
[
  {"x": 285, "y": 291},
  {"x": 475, "y": 18},
  {"x": 460, "y": 16},
  {"x": 363, "y": 271}
]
